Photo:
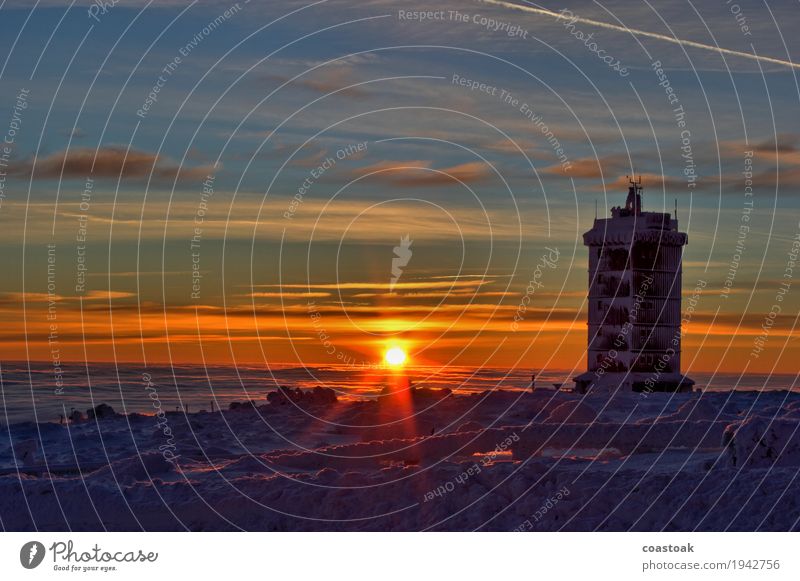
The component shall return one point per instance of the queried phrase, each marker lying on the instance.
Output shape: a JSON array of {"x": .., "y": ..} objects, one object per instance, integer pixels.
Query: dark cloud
[
  {"x": 782, "y": 143},
  {"x": 108, "y": 161},
  {"x": 590, "y": 167}
]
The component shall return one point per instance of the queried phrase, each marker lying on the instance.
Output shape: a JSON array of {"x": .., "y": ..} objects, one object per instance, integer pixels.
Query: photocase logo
[
  {"x": 31, "y": 554},
  {"x": 402, "y": 254}
]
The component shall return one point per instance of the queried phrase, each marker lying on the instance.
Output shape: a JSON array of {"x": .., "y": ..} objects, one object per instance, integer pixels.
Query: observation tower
[{"x": 635, "y": 267}]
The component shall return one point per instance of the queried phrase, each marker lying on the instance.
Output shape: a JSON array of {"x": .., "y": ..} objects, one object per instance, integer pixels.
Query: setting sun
[{"x": 395, "y": 357}]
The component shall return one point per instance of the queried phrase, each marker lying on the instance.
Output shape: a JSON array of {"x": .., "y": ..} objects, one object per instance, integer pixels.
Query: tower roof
[{"x": 630, "y": 222}]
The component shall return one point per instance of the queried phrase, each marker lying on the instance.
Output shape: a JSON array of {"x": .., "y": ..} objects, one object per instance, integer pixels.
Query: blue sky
[{"x": 268, "y": 96}]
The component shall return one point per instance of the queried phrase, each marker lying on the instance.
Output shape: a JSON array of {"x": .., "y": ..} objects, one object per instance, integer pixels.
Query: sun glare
[{"x": 395, "y": 357}]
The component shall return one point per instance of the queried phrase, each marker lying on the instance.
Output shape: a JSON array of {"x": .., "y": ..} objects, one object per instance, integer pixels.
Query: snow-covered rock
[{"x": 759, "y": 442}]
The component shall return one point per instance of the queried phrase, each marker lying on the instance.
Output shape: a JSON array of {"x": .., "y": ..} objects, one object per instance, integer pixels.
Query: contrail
[{"x": 663, "y": 37}]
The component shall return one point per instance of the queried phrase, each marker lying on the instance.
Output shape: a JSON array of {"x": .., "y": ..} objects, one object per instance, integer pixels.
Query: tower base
[{"x": 634, "y": 382}]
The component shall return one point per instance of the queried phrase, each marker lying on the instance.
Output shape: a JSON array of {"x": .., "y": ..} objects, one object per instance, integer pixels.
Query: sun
[{"x": 395, "y": 357}]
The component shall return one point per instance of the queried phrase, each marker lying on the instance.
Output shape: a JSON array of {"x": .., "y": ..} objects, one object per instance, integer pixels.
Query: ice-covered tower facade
[{"x": 634, "y": 339}]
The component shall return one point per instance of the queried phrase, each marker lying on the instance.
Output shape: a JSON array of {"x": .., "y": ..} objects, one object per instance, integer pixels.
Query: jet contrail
[{"x": 566, "y": 15}]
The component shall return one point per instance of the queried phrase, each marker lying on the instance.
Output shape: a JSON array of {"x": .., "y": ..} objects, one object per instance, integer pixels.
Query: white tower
[{"x": 634, "y": 340}]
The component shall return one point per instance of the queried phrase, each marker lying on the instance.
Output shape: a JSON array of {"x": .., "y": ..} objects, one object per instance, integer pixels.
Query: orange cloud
[
  {"x": 18, "y": 297},
  {"x": 283, "y": 295},
  {"x": 386, "y": 286},
  {"x": 214, "y": 332},
  {"x": 94, "y": 295},
  {"x": 30, "y": 297}
]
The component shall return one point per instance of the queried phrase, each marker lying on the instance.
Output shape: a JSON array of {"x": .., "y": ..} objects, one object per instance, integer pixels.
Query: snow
[
  {"x": 432, "y": 460},
  {"x": 759, "y": 442},
  {"x": 573, "y": 412}
]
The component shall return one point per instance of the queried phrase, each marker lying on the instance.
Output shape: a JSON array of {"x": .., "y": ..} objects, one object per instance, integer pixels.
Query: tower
[{"x": 634, "y": 326}]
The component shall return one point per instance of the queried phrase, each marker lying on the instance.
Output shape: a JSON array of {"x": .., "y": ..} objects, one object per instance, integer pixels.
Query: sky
[{"x": 291, "y": 182}]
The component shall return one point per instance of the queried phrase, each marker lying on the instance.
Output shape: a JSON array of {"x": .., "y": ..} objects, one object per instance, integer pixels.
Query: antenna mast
[{"x": 633, "y": 205}]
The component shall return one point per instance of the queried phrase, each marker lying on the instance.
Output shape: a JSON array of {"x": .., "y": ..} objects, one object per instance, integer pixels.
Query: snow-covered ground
[{"x": 418, "y": 460}]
